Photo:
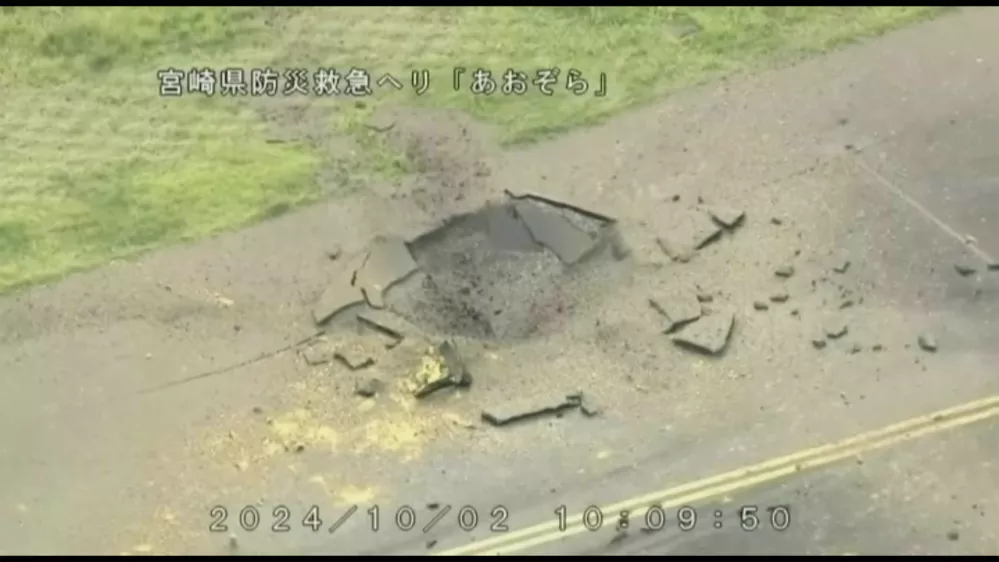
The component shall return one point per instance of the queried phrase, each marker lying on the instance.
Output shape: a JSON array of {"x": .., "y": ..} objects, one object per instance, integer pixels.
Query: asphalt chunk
[
  {"x": 441, "y": 366},
  {"x": 709, "y": 335},
  {"x": 317, "y": 354},
  {"x": 846, "y": 304},
  {"x": 529, "y": 407},
  {"x": 836, "y": 329},
  {"x": 964, "y": 270},
  {"x": 727, "y": 217},
  {"x": 679, "y": 306},
  {"x": 340, "y": 294},
  {"x": 856, "y": 348},
  {"x": 842, "y": 267},
  {"x": 506, "y": 231},
  {"x": 568, "y": 243},
  {"x": 761, "y": 306},
  {"x": 780, "y": 297},
  {"x": 368, "y": 388},
  {"x": 927, "y": 342},
  {"x": 690, "y": 232},
  {"x": 388, "y": 262},
  {"x": 994, "y": 266},
  {"x": 819, "y": 343},
  {"x": 784, "y": 271},
  {"x": 776, "y": 221}
]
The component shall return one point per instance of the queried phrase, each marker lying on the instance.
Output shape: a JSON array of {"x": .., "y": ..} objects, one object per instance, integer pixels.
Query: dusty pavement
[{"x": 882, "y": 155}]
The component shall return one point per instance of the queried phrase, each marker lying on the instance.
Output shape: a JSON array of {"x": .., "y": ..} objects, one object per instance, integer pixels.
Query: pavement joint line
[
  {"x": 746, "y": 477},
  {"x": 929, "y": 215}
]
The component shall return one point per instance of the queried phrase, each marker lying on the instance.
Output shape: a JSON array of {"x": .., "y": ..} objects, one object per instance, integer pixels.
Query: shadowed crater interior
[{"x": 505, "y": 271}]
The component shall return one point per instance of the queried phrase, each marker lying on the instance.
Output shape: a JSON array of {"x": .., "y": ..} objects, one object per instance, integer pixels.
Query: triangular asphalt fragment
[
  {"x": 388, "y": 263},
  {"x": 709, "y": 335},
  {"x": 341, "y": 293},
  {"x": 554, "y": 232},
  {"x": 727, "y": 217},
  {"x": 927, "y": 343},
  {"x": 681, "y": 238},
  {"x": 529, "y": 407},
  {"x": 679, "y": 306}
]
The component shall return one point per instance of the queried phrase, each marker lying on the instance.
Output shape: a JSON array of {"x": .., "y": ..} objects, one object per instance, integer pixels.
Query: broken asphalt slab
[
  {"x": 678, "y": 305},
  {"x": 568, "y": 243},
  {"x": 521, "y": 409},
  {"x": 560, "y": 205},
  {"x": 709, "y": 335},
  {"x": 341, "y": 293},
  {"x": 388, "y": 262},
  {"x": 690, "y": 232},
  {"x": 441, "y": 366},
  {"x": 389, "y": 324}
]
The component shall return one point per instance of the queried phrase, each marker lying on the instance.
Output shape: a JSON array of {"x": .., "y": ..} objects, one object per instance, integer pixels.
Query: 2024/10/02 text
[
  {"x": 358, "y": 82},
  {"x": 655, "y": 518},
  {"x": 283, "y": 519}
]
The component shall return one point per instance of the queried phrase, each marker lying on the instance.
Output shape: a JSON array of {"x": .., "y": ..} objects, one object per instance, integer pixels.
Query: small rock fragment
[
  {"x": 727, "y": 217},
  {"x": 708, "y": 335},
  {"x": 877, "y": 347},
  {"x": 846, "y": 304},
  {"x": 842, "y": 267},
  {"x": 761, "y": 306},
  {"x": 776, "y": 221},
  {"x": 334, "y": 252},
  {"x": 587, "y": 406},
  {"x": 525, "y": 408},
  {"x": 368, "y": 388},
  {"x": 994, "y": 266},
  {"x": 705, "y": 297},
  {"x": 964, "y": 270},
  {"x": 784, "y": 271},
  {"x": 819, "y": 343},
  {"x": 953, "y": 535},
  {"x": 780, "y": 297},
  {"x": 836, "y": 330},
  {"x": 856, "y": 348},
  {"x": 433, "y": 506},
  {"x": 441, "y": 366},
  {"x": 927, "y": 343}
]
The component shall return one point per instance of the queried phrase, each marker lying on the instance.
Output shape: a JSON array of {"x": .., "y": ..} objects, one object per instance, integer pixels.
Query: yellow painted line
[{"x": 743, "y": 478}]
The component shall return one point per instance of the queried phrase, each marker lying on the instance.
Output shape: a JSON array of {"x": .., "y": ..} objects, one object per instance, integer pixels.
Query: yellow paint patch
[
  {"x": 395, "y": 436},
  {"x": 356, "y": 495}
]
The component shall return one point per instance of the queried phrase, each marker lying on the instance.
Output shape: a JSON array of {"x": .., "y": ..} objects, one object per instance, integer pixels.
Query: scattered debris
[
  {"x": 317, "y": 354},
  {"x": 776, "y": 221},
  {"x": 994, "y": 266},
  {"x": 856, "y": 348},
  {"x": 587, "y": 406},
  {"x": 708, "y": 335},
  {"x": 964, "y": 270},
  {"x": 836, "y": 329},
  {"x": 554, "y": 232},
  {"x": 433, "y": 506},
  {"x": 780, "y": 297},
  {"x": 441, "y": 366},
  {"x": 334, "y": 252},
  {"x": 846, "y": 304},
  {"x": 368, "y": 388},
  {"x": 705, "y": 297},
  {"x": 795, "y": 312},
  {"x": 784, "y": 271},
  {"x": 727, "y": 217},
  {"x": 679, "y": 305},
  {"x": 877, "y": 347},
  {"x": 761, "y": 306},
  {"x": 530, "y": 407},
  {"x": 953, "y": 535},
  {"x": 842, "y": 267},
  {"x": 819, "y": 343},
  {"x": 388, "y": 262},
  {"x": 356, "y": 354},
  {"x": 927, "y": 343}
]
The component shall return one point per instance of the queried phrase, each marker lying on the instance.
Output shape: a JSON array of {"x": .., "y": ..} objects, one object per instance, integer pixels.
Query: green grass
[{"x": 95, "y": 165}]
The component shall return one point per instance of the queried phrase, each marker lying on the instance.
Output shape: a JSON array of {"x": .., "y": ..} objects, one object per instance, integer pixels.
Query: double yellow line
[{"x": 743, "y": 478}]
